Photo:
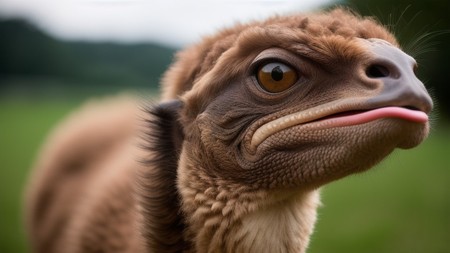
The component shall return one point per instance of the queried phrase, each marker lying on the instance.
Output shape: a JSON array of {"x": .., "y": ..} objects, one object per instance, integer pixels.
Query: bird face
[{"x": 304, "y": 113}]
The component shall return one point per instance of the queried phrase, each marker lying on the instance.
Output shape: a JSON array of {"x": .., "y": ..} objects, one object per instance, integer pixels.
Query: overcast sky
[{"x": 177, "y": 22}]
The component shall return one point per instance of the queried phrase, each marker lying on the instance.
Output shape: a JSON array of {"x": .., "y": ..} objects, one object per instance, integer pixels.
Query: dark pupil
[{"x": 277, "y": 73}]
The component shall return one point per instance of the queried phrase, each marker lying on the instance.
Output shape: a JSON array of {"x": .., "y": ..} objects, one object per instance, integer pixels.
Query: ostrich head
[{"x": 297, "y": 101}]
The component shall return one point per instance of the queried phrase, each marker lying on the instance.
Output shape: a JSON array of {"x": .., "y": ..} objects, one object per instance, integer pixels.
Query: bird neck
[{"x": 222, "y": 217}]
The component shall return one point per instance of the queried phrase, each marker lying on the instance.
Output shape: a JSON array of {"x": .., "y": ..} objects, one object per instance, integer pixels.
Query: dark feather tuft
[{"x": 160, "y": 201}]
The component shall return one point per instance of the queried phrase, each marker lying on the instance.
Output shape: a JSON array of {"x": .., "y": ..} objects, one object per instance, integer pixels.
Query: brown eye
[{"x": 276, "y": 77}]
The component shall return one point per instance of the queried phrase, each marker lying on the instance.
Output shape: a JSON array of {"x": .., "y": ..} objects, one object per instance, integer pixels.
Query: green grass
[
  {"x": 23, "y": 127},
  {"x": 403, "y": 205}
]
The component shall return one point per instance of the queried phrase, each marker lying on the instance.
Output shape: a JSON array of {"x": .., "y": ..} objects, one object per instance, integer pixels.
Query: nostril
[{"x": 377, "y": 71}]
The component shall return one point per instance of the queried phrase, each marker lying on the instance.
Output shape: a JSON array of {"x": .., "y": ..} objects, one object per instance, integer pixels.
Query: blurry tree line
[{"x": 30, "y": 58}]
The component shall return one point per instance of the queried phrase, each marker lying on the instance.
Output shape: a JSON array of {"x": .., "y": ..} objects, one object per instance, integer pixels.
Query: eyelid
[
  {"x": 277, "y": 55},
  {"x": 256, "y": 65}
]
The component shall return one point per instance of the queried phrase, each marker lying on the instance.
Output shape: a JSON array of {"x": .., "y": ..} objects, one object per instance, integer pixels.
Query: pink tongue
[{"x": 385, "y": 112}]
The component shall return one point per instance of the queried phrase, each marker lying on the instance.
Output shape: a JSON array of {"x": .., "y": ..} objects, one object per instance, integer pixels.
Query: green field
[{"x": 403, "y": 205}]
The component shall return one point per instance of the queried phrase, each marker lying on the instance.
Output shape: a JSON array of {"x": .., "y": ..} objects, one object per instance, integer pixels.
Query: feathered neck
[
  {"x": 185, "y": 210},
  {"x": 222, "y": 217}
]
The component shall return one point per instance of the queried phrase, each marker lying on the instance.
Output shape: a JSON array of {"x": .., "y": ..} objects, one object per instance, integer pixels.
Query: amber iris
[{"x": 276, "y": 77}]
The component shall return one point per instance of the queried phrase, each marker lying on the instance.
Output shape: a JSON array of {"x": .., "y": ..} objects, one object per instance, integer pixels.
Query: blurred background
[{"x": 55, "y": 54}]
